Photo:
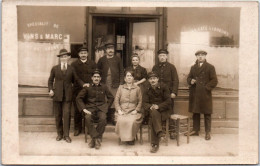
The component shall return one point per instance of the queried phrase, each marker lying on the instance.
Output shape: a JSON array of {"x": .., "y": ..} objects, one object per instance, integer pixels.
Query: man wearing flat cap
[
  {"x": 168, "y": 75},
  {"x": 84, "y": 68},
  {"x": 156, "y": 101},
  {"x": 60, "y": 83},
  {"x": 92, "y": 101},
  {"x": 201, "y": 79},
  {"x": 112, "y": 71}
]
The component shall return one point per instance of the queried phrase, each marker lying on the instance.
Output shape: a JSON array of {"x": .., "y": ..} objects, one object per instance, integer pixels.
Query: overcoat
[
  {"x": 116, "y": 68},
  {"x": 200, "y": 97},
  {"x": 61, "y": 82},
  {"x": 160, "y": 96},
  {"x": 84, "y": 72},
  {"x": 168, "y": 75}
]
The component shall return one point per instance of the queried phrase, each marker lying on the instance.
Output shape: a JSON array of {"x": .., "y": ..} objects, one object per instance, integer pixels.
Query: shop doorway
[{"x": 130, "y": 35}]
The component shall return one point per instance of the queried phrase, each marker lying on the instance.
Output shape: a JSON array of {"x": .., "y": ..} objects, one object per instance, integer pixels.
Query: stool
[{"x": 181, "y": 122}]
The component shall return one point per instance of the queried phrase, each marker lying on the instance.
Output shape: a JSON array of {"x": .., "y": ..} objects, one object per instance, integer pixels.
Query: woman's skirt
[{"x": 127, "y": 126}]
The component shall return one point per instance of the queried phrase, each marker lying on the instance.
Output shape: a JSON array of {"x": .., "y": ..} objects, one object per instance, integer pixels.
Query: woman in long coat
[
  {"x": 128, "y": 102},
  {"x": 201, "y": 79}
]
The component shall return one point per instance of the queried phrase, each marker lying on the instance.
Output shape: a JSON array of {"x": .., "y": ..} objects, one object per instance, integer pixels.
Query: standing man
[
  {"x": 91, "y": 100},
  {"x": 61, "y": 92},
  {"x": 84, "y": 68},
  {"x": 201, "y": 79},
  {"x": 168, "y": 75},
  {"x": 157, "y": 101},
  {"x": 112, "y": 73}
]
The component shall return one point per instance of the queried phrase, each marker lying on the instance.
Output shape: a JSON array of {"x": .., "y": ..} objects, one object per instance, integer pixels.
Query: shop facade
[{"x": 133, "y": 29}]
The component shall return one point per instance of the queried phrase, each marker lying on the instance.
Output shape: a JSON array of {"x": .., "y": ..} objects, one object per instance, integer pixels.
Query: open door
[{"x": 143, "y": 36}]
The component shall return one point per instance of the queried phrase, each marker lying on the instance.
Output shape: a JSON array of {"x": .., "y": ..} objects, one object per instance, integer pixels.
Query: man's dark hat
[
  {"x": 63, "y": 52},
  {"x": 96, "y": 72},
  {"x": 162, "y": 51},
  {"x": 83, "y": 48},
  {"x": 201, "y": 52},
  {"x": 152, "y": 74},
  {"x": 109, "y": 45}
]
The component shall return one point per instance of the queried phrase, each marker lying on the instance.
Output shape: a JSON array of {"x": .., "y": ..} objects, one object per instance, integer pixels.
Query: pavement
[{"x": 45, "y": 144}]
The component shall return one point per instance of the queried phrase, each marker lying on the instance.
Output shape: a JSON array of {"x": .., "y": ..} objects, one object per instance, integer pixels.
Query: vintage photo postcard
[{"x": 127, "y": 82}]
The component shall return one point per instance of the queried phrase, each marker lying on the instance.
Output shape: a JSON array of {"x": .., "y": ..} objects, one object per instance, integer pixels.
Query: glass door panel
[{"x": 143, "y": 43}]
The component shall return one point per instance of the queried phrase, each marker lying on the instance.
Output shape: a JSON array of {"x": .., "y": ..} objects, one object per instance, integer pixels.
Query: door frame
[{"x": 161, "y": 28}]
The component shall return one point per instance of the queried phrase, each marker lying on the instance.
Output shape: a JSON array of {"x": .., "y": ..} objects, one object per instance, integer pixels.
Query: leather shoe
[
  {"x": 207, "y": 137},
  {"x": 131, "y": 142},
  {"x": 59, "y": 137},
  {"x": 154, "y": 148},
  {"x": 92, "y": 143},
  {"x": 67, "y": 139},
  {"x": 172, "y": 136},
  {"x": 193, "y": 133},
  {"x": 97, "y": 143},
  {"x": 77, "y": 132}
]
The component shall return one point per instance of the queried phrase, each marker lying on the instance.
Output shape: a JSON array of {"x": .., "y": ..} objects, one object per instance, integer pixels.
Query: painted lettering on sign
[
  {"x": 44, "y": 31},
  {"x": 210, "y": 28}
]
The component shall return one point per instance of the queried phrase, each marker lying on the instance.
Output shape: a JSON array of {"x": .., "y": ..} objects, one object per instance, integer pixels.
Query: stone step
[
  {"x": 111, "y": 128},
  {"x": 47, "y": 124},
  {"x": 51, "y": 121}
]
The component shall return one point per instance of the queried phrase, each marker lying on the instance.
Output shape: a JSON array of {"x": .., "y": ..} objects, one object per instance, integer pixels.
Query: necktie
[{"x": 63, "y": 68}]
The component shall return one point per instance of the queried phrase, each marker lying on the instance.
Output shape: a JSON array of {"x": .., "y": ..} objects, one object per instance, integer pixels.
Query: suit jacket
[
  {"x": 200, "y": 98},
  {"x": 160, "y": 96},
  {"x": 61, "y": 83},
  {"x": 168, "y": 75},
  {"x": 94, "y": 97}
]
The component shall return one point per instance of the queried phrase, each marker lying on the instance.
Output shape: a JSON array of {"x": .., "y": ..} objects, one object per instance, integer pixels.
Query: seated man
[
  {"x": 157, "y": 101},
  {"x": 92, "y": 100}
]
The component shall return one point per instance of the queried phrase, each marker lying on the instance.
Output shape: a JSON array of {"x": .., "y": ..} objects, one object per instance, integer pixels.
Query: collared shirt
[
  {"x": 94, "y": 97},
  {"x": 128, "y": 98},
  {"x": 62, "y": 65},
  {"x": 83, "y": 61}
]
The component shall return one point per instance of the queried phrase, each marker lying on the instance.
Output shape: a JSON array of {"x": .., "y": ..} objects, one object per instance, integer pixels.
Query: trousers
[
  {"x": 62, "y": 117},
  {"x": 196, "y": 122},
  {"x": 101, "y": 118}
]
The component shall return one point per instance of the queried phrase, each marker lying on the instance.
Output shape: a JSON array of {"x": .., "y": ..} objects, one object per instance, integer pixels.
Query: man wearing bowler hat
[
  {"x": 168, "y": 75},
  {"x": 84, "y": 68},
  {"x": 112, "y": 71},
  {"x": 60, "y": 83},
  {"x": 201, "y": 79},
  {"x": 157, "y": 102}
]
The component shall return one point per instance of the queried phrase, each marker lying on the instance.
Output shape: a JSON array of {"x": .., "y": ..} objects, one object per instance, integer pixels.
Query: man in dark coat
[
  {"x": 201, "y": 79},
  {"x": 157, "y": 101},
  {"x": 92, "y": 101},
  {"x": 61, "y": 91},
  {"x": 84, "y": 68},
  {"x": 112, "y": 71},
  {"x": 168, "y": 75}
]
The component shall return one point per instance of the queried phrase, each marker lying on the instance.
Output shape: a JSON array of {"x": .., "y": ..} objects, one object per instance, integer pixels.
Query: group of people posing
[{"x": 129, "y": 96}]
